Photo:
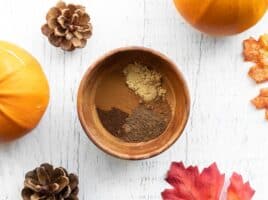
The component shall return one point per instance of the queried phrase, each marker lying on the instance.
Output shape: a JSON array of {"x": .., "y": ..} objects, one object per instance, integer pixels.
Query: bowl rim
[{"x": 82, "y": 120}]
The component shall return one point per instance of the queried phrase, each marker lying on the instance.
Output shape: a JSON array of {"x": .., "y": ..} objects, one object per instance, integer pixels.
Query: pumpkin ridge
[
  {"x": 203, "y": 12},
  {"x": 5, "y": 114},
  {"x": 8, "y": 51},
  {"x": 7, "y": 76}
]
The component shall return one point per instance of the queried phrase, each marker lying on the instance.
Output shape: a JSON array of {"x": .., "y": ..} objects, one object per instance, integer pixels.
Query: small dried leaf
[
  {"x": 259, "y": 73},
  {"x": 263, "y": 41},
  {"x": 263, "y": 58},
  {"x": 251, "y": 50},
  {"x": 264, "y": 92},
  {"x": 238, "y": 190},
  {"x": 261, "y": 101}
]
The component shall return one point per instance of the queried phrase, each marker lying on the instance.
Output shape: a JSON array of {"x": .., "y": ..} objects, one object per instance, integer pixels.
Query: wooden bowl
[{"x": 103, "y": 86}]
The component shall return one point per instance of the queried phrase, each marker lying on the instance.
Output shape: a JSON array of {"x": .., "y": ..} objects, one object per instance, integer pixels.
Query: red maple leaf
[
  {"x": 189, "y": 184},
  {"x": 238, "y": 190}
]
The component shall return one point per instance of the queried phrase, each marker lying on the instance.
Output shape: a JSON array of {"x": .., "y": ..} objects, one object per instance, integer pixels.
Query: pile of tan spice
[{"x": 150, "y": 118}]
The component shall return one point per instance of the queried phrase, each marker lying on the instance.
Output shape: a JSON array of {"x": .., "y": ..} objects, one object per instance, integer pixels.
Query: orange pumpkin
[
  {"x": 24, "y": 92},
  {"x": 222, "y": 17}
]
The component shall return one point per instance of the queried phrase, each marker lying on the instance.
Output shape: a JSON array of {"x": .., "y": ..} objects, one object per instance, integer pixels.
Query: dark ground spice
[
  {"x": 145, "y": 123},
  {"x": 112, "y": 119}
]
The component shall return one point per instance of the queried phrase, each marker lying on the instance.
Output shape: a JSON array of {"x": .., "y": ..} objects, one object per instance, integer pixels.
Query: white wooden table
[{"x": 223, "y": 127}]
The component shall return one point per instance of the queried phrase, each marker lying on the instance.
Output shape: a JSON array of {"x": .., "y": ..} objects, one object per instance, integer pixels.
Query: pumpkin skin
[
  {"x": 24, "y": 92},
  {"x": 222, "y": 17}
]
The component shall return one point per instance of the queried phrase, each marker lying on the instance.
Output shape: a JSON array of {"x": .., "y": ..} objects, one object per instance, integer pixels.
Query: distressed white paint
[{"x": 223, "y": 127}]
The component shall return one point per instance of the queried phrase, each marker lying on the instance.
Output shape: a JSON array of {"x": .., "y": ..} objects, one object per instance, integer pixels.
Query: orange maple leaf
[
  {"x": 257, "y": 51},
  {"x": 238, "y": 190},
  {"x": 189, "y": 184}
]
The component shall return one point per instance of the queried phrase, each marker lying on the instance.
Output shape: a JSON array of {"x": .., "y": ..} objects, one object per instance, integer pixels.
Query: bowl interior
[{"x": 103, "y": 86}]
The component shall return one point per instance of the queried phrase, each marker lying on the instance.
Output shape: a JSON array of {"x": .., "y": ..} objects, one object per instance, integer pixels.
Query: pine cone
[
  {"x": 47, "y": 183},
  {"x": 68, "y": 26}
]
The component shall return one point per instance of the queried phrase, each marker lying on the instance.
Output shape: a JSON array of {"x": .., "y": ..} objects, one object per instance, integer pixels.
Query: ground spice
[
  {"x": 112, "y": 119},
  {"x": 145, "y": 123},
  {"x": 145, "y": 82}
]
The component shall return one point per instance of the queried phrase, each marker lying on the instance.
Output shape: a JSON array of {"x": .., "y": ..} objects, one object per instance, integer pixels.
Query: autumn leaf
[
  {"x": 261, "y": 101},
  {"x": 190, "y": 184},
  {"x": 257, "y": 51},
  {"x": 251, "y": 50},
  {"x": 239, "y": 190},
  {"x": 259, "y": 73}
]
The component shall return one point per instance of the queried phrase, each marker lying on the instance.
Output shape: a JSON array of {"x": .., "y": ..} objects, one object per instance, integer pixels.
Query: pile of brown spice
[
  {"x": 146, "y": 122},
  {"x": 150, "y": 118}
]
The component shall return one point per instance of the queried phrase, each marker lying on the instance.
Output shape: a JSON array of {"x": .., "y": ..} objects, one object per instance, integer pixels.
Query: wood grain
[{"x": 223, "y": 127}]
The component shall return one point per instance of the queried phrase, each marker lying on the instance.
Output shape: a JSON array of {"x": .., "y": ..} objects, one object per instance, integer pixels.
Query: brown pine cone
[
  {"x": 68, "y": 26},
  {"x": 47, "y": 183}
]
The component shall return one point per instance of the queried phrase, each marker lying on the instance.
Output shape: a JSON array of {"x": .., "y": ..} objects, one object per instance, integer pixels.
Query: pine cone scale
[
  {"x": 33, "y": 185},
  {"x": 43, "y": 177},
  {"x": 53, "y": 13}
]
